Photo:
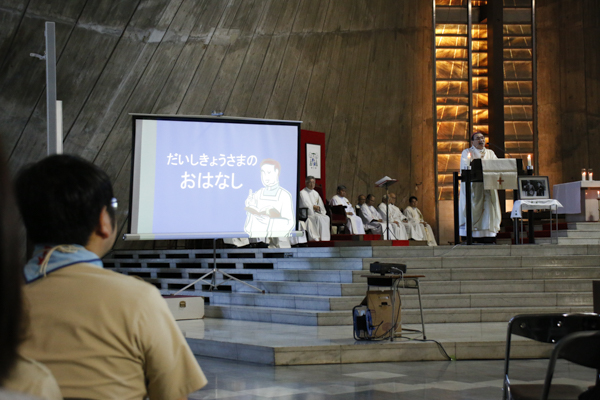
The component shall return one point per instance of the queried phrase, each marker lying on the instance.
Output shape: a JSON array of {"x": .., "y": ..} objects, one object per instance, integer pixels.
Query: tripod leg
[{"x": 225, "y": 274}]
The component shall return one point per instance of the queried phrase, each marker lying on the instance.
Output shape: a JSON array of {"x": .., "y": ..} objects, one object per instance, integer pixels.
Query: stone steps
[
  {"x": 409, "y": 301},
  {"x": 410, "y": 316},
  {"x": 308, "y": 286},
  {"x": 584, "y": 226},
  {"x": 437, "y": 276},
  {"x": 579, "y": 234},
  {"x": 566, "y": 241}
]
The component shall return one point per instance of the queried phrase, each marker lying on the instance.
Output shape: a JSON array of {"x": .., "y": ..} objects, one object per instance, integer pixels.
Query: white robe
[
  {"x": 318, "y": 225},
  {"x": 414, "y": 215},
  {"x": 370, "y": 217},
  {"x": 413, "y": 231},
  {"x": 485, "y": 204},
  {"x": 402, "y": 231},
  {"x": 354, "y": 224},
  {"x": 277, "y": 203}
]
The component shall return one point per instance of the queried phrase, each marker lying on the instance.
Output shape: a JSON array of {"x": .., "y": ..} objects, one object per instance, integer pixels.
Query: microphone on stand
[{"x": 502, "y": 150}]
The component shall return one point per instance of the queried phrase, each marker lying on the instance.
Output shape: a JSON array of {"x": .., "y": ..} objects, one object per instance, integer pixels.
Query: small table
[
  {"x": 390, "y": 281},
  {"x": 546, "y": 204}
]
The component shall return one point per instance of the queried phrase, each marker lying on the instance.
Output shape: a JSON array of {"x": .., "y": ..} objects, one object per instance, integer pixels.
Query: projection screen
[{"x": 207, "y": 177}]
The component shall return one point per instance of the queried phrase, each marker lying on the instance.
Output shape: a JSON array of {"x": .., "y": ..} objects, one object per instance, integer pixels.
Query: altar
[{"x": 579, "y": 200}]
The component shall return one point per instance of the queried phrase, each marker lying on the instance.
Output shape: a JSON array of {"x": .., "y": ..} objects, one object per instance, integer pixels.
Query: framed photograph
[
  {"x": 533, "y": 188},
  {"x": 313, "y": 160}
]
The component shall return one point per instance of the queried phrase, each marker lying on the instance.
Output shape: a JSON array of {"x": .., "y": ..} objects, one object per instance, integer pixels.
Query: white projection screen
[{"x": 213, "y": 177}]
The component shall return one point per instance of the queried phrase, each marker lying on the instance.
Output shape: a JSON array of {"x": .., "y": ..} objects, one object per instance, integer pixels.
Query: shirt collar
[{"x": 48, "y": 258}]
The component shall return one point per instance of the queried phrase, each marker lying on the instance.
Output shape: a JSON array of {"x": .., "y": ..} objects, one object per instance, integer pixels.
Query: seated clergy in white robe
[
  {"x": 485, "y": 206},
  {"x": 354, "y": 224},
  {"x": 317, "y": 225},
  {"x": 373, "y": 221},
  {"x": 414, "y": 215},
  {"x": 394, "y": 220},
  {"x": 413, "y": 231}
]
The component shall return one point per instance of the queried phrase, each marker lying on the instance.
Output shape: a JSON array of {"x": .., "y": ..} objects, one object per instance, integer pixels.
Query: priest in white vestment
[
  {"x": 353, "y": 223},
  {"x": 395, "y": 218},
  {"x": 414, "y": 215},
  {"x": 361, "y": 200},
  {"x": 485, "y": 204},
  {"x": 317, "y": 225},
  {"x": 413, "y": 229},
  {"x": 373, "y": 221},
  {"x": 269, "y": 210}
]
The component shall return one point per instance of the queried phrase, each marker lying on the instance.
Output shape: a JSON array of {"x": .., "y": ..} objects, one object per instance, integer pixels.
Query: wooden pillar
[{"x": 495, "y": 43}]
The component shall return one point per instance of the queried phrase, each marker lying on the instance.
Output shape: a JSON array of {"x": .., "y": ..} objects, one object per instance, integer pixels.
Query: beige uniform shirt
[{"x": 104, "y": 335}]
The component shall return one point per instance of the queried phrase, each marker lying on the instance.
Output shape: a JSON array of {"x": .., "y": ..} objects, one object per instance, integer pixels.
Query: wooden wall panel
[
  {"x": 591, "y": 26},
  {"x": 357, "y": 70},
  {"x": 548, "y": 92},
  {"x": 11, "y": 15},
  {"x": 568, "y": 107}
]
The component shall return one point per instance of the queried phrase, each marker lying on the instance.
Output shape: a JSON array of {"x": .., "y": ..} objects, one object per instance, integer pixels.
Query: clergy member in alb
[
  {"x": 396, "y": 220},
  {"x": 372, "y": 220},
  {"x": 413, "y": 230},
  {"x": 414, "y": 215},
  {"x": 317, "y": 224},
  {"x": 354, "y": 224},
  {"x": 485, "y": 205}
]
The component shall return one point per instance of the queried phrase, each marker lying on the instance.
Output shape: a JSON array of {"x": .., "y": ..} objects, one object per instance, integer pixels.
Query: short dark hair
[
  {"x": 369, "y": 196},
  {"x": 11, "y": 308},
  {"x": 411, "y": 198},
  {"x": 61, "y": 199},
  {"x": 341, "y": 187},
  {"x": 476, "y": 133}
]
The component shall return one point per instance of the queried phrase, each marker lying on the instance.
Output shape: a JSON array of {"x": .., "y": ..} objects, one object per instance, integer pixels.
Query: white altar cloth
[
  {"x": 524, "y": 205},
  {"x": 579, "y": 200}
]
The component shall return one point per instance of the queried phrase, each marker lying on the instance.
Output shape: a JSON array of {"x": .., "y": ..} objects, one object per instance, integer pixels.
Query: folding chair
[{"x": 554, "y": 329}]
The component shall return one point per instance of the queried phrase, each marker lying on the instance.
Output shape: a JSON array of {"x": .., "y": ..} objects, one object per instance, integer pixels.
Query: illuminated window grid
[
  {"x": 480, "y": 79},
  {"x": 452, "y": 99},
  {"x": 518, "y": 84}
]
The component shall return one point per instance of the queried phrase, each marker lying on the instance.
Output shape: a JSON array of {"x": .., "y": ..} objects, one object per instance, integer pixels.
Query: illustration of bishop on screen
[{"x": 269, "y": 211}]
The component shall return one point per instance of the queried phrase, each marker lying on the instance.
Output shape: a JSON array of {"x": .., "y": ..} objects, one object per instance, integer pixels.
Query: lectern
[{"x": 468, "y": 176}]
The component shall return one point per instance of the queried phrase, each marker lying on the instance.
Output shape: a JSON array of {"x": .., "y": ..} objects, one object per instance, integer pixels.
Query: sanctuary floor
[
  {"x": 449, "y": 380},
  {"x": 285, "y": 344},
  {"x": 398, "y": 379}
]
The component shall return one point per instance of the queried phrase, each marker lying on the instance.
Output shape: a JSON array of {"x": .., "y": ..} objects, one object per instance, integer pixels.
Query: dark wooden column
[{"x": 496, "y": 83}]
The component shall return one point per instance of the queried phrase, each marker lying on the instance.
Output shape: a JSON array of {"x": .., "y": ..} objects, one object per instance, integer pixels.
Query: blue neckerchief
[{"x": 47, "y": 259}]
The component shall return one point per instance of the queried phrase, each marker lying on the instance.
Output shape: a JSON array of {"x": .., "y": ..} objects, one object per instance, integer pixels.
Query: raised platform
[
  {"x": 282, "y": 344},
  {"x": 469, "y": 294}
]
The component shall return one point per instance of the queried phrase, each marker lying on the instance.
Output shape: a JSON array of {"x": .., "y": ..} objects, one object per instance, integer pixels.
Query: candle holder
[
  {"x": 583, "y": 172},
  {"x": 530, "y": 170},
  {"x": 590, "y": 174}
]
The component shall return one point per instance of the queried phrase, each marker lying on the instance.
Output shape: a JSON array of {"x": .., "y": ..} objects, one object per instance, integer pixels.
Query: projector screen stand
[{"x": 213, "y": 276}]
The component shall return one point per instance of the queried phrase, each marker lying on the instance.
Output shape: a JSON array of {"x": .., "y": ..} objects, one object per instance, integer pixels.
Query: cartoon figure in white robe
[{"x": 269, "y": 210}]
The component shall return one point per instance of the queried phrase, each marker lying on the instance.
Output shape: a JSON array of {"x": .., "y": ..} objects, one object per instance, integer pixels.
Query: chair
[
  {"x": 338, "y": 217},
  {"x": 564, "y": 331}
]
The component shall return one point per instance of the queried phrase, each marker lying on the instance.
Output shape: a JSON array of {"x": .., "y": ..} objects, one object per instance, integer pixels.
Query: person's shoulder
[
  {"x": 34, "y": 378},
  {"x": 110, "y": 280},
  {"x": 10, "y": 395}
]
